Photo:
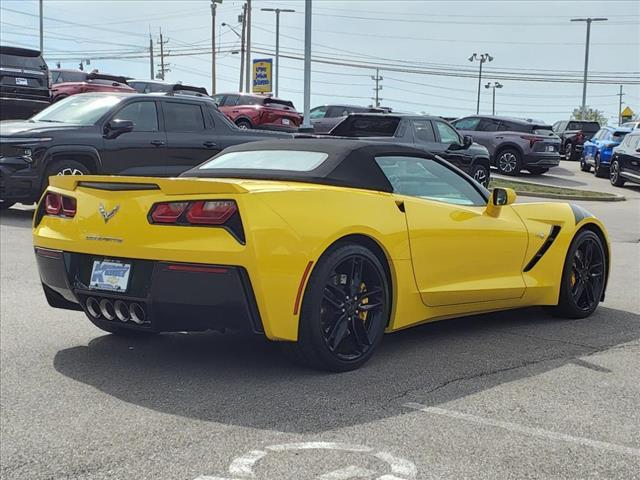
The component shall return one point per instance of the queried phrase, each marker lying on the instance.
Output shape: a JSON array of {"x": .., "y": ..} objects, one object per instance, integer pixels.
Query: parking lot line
[{"x": 524, "y": 430}]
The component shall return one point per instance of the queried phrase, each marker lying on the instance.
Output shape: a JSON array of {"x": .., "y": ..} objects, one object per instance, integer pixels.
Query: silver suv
[{"x": 514, "y": 144}]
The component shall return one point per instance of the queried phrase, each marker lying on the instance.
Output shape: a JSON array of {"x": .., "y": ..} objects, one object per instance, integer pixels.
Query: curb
[{"x": 616, "y": 198}]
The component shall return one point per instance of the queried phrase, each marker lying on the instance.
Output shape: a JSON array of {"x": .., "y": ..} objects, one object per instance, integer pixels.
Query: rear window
[
  {"x": 16, "y": 61},
  {"x": 367, "y": 127},
  {"x": 618, "y": 136},
  {"x": 588, "y": 127},
  {"x": 543, "y": 130},
  {"x": 59, "y": 77},
  {"x": 291, "y": 160}
]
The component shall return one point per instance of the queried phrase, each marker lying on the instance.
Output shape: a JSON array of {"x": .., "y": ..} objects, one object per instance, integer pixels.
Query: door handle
[
  {"x": 210, "y": 144},
  {"x": 158, "y": 143},
  {"x": 499, "y": 137}
]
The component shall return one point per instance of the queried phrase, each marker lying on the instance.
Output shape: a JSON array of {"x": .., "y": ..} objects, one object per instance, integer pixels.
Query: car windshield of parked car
[
  {"x": 290, "y": 160},
  {"x": 428, "y": 179},
  {"x": 318, "y": 112},
  {"x": 78, "y": 109}
]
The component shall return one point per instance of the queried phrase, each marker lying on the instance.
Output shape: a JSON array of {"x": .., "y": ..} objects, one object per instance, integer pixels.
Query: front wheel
[
  {"x": 537, "y": 170},
  {"x": 480, "y": 174},
  {"x": 614, "y": 174},
  {"x": 345, "y": 310},
  {"x": 583, "y": 277},
  {"x": 65, "y": 167},
  {"x": 599, "y": 171},
  {"x": 243, "y": 124},
  {"x": 509, "y": 162},
  {"x": 568, "y": 151}
]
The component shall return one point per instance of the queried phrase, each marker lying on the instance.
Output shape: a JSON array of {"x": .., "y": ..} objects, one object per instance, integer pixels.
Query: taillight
[
  {"x": 60, "y": 205},
  {"x": 214, "y": 212},
  {"x": 532, "y": 139},
  {"x": 168, "y": 212}
]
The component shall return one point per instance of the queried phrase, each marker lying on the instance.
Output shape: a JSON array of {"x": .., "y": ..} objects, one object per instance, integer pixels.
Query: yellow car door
[{"x": 460, "y": 253}]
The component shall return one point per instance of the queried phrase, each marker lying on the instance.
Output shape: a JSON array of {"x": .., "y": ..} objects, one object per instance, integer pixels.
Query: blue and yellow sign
[{"x": 262, "y": 77}]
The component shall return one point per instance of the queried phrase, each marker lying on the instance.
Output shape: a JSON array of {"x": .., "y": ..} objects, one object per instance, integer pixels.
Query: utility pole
[
  {"x": 620, "y": 107},
  {"x": 306, "y": 124},
  {"x": 41, "y": 27},
  {"x": 214, "y": 4},
  {"x": 483, "y": 57},
  {"x": 242, "y": 42},
  {"x": 247, "y": 61},
  {"x": 163, "y": 68},
  {"x": 493, "y": 85},
  {"x": 151, "y": 57},
  {"x": 378, "y": 87},
  {"x": 278, "y": 12},
  {"x": 586, "y": 54}
]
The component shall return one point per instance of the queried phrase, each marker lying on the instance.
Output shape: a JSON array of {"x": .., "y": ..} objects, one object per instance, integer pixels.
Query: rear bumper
[
  {"x": 542, "y": 160},
  {"x": 173, "y": 296},
  {"x": 16, "y": 108}
]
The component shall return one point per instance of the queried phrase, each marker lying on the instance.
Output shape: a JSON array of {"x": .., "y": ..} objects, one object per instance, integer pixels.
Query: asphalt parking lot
[{"x": 510, "y": 395}]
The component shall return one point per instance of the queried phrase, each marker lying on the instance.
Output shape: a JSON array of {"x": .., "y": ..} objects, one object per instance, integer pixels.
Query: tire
[
  {"x": 584, "y": 166},
  {"x": 243, "y": 124},
  {"x": 614, "y": 174},
  {"x": 568, "y": 306},
  {"x": 568, "y": 151},
  {"x": 599, "y": 171},
  {"x": 328, "y": 337},
  {"x": 509, "y": 162},
  {"x": 121, "y": 331},
  {"x": 480, "y": 173},
  {"x": 537, "y": 170},
  {"x": 65, "y": 167},
  {"x": 4, "y": 204}
]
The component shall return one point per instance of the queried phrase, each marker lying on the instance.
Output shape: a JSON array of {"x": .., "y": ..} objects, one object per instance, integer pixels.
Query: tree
[{"x": 588, "y": 113}]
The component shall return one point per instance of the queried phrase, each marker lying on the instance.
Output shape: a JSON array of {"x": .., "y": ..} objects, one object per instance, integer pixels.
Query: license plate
[
  {"x": 22, "y": 81},
  {"x": 110, "y": 275},
  {"x": 551, "y": 148},
  {"x": 286, "y": 121}
]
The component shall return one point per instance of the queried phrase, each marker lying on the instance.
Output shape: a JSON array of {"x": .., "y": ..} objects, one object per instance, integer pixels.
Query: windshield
[
  {"x": 78, "y": 109},
  {"x": 298, "y": 161}
]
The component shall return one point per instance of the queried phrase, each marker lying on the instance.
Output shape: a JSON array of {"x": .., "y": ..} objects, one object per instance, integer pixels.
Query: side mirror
[
  {"x": 467, "y": 141},
  {"x": 499, "y": 198},
  {"x": 115, "y": 128}
]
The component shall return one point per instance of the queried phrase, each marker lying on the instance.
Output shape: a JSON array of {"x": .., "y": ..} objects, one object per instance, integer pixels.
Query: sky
[{"x": 427, "y": 36}]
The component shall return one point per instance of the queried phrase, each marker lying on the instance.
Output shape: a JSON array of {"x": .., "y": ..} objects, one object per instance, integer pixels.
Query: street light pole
[
  {"x": 41, "y": 27},
  {"x": 493, "y": 85},
  {"x": 307, "y": 64},
  {"x": 241, "y": 37},
  {"x": 586, "y": 54},
  {"x": 483, "y": 57},
  {"x": 247, "y": 39},
  {"x": 278, "y": 11},
  {"x": 214, "y": 4}
]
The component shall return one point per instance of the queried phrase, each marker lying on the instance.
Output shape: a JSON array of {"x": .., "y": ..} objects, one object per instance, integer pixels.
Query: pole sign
[
  {"x": 262, "y": 75},
  {"x": 626, "y": 114}
]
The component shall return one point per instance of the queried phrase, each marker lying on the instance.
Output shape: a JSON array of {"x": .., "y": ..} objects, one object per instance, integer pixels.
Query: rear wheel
[
  {"x": 509, "y": 162},
  {"x": 537, "y": 170},
  {"x": 599, "y": 170},
  {"x": 345, "y": 310},
  {"x": 568, "y": 151},
  {"x": 243, "y": 124},
  {"x": 480, "y": 174},
  {"x": 583, "y": 277},
  {"x": 614, "y": 174}
]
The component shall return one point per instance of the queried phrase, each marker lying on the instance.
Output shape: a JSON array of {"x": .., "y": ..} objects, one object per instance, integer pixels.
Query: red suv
[
  {"x": 259, "y": 111},
  {"x": 71, "y": 82}
]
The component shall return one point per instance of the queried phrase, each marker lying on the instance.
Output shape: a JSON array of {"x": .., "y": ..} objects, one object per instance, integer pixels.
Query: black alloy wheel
[
  {"x": 614, "y": 174},
  {"x": 583, "y": 279},
  {"x": 480, "y": 174},
  {"x": 509, "y": 162},
  {"x": 568, "y": 151},
  {"x": 345, "y": 310}
]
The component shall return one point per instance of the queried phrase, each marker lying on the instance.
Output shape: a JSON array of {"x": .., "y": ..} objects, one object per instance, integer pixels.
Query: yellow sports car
[{"x": 321, "y": 244}]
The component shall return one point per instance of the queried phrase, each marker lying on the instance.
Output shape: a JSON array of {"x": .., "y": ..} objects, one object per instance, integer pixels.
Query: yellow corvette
[{"x": 321, "y": 244}]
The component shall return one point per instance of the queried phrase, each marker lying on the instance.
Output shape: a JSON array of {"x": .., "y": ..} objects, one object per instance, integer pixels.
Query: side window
[
  {"x": 144, "y": 116},
  {"x": 183, "y": 117},
  {"x": 488, "y": 125},
  {"x": 249, "y": 100},
  {"x": 424, "y": 131},
  {"x": 333, "y": 112},
  {"x": 606, "y": 135},
  {"x": 230, "y": 101},
  {"x": 466, "y": 123},
  {"x": 447, "y": 134},
  {"x": 428, "y": 179},
  {"x": 318, "y": 112}
]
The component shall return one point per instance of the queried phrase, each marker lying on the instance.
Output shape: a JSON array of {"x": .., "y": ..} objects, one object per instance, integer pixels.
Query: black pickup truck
[{"x": 573, "y": 134}]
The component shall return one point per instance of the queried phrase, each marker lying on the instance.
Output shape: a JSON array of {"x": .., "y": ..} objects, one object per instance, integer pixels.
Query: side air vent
[
  {"x": 119, "y": 187},
  {"x": 543, "y": 249}
]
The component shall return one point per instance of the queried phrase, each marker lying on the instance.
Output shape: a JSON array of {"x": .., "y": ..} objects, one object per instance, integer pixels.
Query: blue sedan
[{"x": 597, "y": 151}]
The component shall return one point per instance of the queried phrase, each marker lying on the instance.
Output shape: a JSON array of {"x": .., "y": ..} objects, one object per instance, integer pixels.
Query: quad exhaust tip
[
  {"x": 120, "y": 310},
  {"x": 137, "y": 313},
  {"x": 107, "y": 310},
  {"x": 93, "y": 307}
]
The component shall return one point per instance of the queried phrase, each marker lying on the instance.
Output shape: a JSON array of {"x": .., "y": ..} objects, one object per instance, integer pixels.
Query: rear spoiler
[
  {"x": 104, "y": 76},
  {"x": 168, "y": 186},
  {"x": 188, "y": 88}
]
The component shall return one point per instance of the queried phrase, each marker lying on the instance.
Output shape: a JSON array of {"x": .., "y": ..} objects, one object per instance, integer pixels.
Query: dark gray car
[
  {"x": 514, "y": 144},
  {"x": 325, "y": 117}
]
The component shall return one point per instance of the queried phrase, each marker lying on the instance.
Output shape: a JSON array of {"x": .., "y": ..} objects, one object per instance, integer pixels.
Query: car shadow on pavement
[
  {"x": 14, "y": 217},
  {"x": 244, "y": 381}
]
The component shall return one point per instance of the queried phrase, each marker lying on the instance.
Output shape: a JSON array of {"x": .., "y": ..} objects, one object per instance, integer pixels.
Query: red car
[
  {"x": 259, "y": 111},
  {"x": 71, "y": 82}
]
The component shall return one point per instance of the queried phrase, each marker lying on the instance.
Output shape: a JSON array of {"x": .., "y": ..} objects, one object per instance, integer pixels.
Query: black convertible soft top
[{"x": 349, "y": 163}]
